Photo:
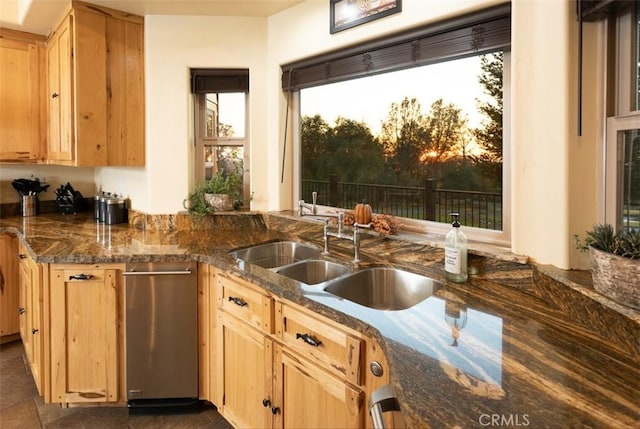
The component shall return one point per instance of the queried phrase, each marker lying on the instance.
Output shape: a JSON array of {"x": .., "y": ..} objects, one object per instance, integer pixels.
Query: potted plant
[
  {"x": 223, "y": 192},
  {"x": 615, "y": 262}
]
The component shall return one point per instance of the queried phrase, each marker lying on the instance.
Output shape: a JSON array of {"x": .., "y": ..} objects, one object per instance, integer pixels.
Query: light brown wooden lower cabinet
[
  {"x": 276, "y": 363},
  {"x": 31, "y": 316},
  {"x": 86, "y": 334},
  {"x": 309, "y": 397},
  {"x": 9, "y": 287},
  {"x": 244, "y": 374}
]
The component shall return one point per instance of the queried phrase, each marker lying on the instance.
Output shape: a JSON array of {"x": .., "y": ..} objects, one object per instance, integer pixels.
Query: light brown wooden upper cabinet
[
  {"x": 95, "y": 88},
  {"x": 22, "y": 107}
]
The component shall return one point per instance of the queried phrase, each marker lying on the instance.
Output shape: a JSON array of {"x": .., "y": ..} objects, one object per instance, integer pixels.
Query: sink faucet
[
  {"x": 313, "y": 210},
  {"x": 355, "y": 237}
]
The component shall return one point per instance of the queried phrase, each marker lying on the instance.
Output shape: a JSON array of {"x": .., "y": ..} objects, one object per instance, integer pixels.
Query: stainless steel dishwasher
[{"x": 161, "y": 345}]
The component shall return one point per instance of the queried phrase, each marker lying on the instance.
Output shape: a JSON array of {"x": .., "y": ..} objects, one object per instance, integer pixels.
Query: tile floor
[{"x": 22, "y": 408}]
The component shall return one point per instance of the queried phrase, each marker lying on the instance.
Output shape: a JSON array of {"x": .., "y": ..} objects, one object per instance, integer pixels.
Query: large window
[
  {"x": 412, "y": 124},
  {"x": 222, "y": 144}
]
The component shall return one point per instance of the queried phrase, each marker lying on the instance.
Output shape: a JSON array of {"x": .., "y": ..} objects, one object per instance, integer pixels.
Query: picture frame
[{"x": 350, "y": 13}]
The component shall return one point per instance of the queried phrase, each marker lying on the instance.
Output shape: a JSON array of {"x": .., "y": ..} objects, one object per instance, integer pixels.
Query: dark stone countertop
[{"x": 500, "y": 350}]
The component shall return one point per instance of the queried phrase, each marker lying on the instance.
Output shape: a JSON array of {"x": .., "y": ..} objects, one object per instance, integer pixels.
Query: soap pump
[{"x": 455, "y": 253}]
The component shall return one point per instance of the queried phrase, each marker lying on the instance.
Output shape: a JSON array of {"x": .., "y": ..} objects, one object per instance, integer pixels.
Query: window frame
[
  {"x": 623, "y": 113},
  {"x": 292, "y": 84},
  {"x": 201, "y": 140}
]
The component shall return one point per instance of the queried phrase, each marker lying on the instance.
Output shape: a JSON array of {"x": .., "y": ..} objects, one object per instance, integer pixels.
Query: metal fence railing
[{"x": 477, "y": 209}]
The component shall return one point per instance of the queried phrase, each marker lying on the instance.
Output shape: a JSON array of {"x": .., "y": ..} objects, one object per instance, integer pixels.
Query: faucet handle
[{"x": 314, "y": 198}]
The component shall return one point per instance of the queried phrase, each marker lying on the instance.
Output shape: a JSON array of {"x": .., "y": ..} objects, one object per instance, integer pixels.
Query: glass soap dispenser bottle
[{"x": 455, "y": 253}]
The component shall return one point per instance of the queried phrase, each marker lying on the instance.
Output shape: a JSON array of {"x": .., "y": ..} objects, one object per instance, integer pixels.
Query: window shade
[
  {"x": 219, "y": 80},
  {"x": 593, "y": 10},
  {"x": 472, "y": 34}
]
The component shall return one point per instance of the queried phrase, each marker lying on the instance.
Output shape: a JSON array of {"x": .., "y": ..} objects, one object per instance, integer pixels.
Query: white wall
[
  {"x": 173, "y": 45},
  {"x": 553, "y": 172},
  {"x": 80, "y": 178}
]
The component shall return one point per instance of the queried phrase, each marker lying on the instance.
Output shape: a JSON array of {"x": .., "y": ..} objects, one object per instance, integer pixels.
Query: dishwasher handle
[
  {"x": 382, "y": 400},
  {"x": 156, "y": 273}
]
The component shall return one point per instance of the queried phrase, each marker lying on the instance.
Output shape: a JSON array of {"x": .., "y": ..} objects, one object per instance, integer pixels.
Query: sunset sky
[{"x": 369, "y": 99}]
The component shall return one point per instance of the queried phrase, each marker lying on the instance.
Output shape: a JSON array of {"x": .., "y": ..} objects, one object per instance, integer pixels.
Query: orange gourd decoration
[{"x": 362, "y": 213}]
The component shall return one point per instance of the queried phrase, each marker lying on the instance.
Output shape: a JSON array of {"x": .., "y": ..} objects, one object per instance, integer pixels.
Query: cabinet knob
[
  {"x": 81, "y": 277},
  {"x": 22, "y": 256},
  {"x": 275, "y": 410},
  {"x": 308, "y": 339},
  {"x": 376, "y": 368},
  {"x": 55, "y": 95},
  {"x": 266, "y": 402},
  {"x": 34, "y": 331},
  {"x": 21, "y": 310}
]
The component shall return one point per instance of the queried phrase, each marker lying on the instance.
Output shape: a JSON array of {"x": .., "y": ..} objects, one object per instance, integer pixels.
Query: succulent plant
[
  {"x": 623, "y": 242},
  {"x": 627, "y": 243}
]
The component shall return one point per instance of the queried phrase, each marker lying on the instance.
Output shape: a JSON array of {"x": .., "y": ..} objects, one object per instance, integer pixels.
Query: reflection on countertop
[{"x": 500, "y": 348}]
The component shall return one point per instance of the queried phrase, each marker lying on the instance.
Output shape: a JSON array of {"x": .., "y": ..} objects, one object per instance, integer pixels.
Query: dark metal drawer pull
[
  {"x": 238, "y": 301},
  {"x": 266, "y": 402},
  {"x": 81, "y": 277},
  {"x": 21, "y": 310},
  {"x": 34, "y": 331},
  {"x": 308, "y": 339},
  {"x": 22, "y": 256}
]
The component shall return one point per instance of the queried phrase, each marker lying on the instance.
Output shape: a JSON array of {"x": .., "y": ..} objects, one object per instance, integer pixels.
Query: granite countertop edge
[{"x": 416, "y": 413}]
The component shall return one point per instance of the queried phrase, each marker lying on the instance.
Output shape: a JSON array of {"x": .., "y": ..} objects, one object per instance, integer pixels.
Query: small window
[
  {"x": 222, "y": 143},
  {"x": 622, "y": 146}
]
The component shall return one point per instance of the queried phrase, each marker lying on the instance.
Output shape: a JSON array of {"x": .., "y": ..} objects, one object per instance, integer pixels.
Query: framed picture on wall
[{"x": 349, "y": 13}]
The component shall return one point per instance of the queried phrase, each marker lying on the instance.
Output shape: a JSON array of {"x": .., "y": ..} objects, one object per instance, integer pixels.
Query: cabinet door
[
  {"x": 60, "y": 94},
  {"x": 36, "y": 363},
  {"x": 243, "y": 374},
  {"x": 84, "y": 330},
  {"x": 207, "y": 320},
  {"x": 9, "y": 285},
  {"x": 19, "y": 101},
  {"x": 25, "y": 309},
  {"x": 312, "y": 398}
]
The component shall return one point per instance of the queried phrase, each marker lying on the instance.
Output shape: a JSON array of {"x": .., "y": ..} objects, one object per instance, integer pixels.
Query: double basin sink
[{"x": 380, "y": 288}]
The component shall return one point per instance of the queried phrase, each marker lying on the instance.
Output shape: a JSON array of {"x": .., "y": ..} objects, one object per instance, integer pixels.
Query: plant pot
[
  {"x": 220, "y": 202},
  {"x": 616, "y": 277}
]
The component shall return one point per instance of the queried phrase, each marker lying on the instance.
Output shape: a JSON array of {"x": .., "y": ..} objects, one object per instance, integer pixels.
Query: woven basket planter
[
  {"x": 220, "y": 202},
  {"x": 616, "y": 277}
]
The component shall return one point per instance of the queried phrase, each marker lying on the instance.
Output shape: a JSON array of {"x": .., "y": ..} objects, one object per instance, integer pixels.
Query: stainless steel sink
[
  {"x": 313, "y": 271},
  {"x": 276, "y": 254},
  {"x": 384, "y": 288}
]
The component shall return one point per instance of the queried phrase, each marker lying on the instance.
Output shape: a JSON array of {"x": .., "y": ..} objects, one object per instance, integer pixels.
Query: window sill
[{"x": 491, "y": 250}]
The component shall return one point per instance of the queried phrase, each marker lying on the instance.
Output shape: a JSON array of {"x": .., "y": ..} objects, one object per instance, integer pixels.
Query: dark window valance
[
  {"x": 219, "y": 80},
  {"x": 593, "y": 10},
  {"x": 472, "y": 34}
]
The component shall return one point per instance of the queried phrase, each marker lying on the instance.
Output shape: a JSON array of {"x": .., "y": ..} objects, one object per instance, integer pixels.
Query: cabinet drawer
[
  {"x": 237, "y": 297},
  {"x": 80, "y": 274},
  {"x": 320, "y": 341}
]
